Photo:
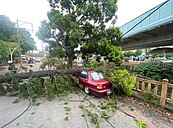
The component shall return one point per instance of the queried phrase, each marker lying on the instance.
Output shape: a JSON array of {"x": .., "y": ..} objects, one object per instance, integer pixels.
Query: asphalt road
[{"x": 35, "y": 67}]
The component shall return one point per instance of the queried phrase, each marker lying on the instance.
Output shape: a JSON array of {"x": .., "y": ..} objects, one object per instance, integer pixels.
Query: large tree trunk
[
  {"x": 4, "y": 79},
  {"x": 70, "y": 61}
]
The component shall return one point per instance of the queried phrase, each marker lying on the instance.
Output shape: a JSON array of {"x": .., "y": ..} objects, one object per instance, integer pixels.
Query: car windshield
[{"x": 97, "y": 75}]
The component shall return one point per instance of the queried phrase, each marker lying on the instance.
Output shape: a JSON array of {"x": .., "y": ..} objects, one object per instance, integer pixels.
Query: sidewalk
[
  {"x": 52, "y": 114},
  {"x": 63, "y": 113}
]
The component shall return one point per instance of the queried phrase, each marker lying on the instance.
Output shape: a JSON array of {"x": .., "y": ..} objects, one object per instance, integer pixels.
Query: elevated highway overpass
[{"x": 153, "y": 28}]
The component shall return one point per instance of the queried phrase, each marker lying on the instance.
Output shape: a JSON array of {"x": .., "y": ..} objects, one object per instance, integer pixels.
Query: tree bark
[
  {"x": 4, "y": 78},
  {"x": 70, "y": 60}
]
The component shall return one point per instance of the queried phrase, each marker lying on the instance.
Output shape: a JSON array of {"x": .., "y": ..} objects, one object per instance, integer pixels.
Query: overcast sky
[
  {"x": 129, "y": 9},
  {"x": 34, "y": 11}
]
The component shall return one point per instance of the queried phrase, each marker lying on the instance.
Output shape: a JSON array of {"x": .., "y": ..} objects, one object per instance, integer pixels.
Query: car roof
[{"x": 89, "y": 70}]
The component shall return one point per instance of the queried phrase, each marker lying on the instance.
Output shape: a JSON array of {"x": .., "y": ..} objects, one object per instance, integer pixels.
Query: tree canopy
[
  {"x": 44, "y": 32},
  {"x": 133, "y": 53},
  {"x": 74, "y": 23},
  {"x": 7, "y": 28},
  {"x": 3, "y": 49},
  {"x": 8, "y": 33}
]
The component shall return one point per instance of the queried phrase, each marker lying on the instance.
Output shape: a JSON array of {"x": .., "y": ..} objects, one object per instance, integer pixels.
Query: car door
[{"x": 83, "y": 78}]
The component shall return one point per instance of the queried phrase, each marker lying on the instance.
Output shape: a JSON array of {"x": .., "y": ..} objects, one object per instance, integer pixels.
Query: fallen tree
[{"x": 10, "y": 77}]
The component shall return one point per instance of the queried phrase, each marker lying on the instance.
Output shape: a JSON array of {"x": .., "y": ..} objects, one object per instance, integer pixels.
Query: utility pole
[
  {"x": 18, "y": 42},
  {"x": 18, "y": 39}
]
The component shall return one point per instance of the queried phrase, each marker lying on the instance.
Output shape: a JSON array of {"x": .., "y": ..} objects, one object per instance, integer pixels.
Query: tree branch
[{"x": 14, "y": 49}]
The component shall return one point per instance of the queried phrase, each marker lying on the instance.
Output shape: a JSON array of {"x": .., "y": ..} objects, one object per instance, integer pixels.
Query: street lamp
[{"x": 18, "y": 40}]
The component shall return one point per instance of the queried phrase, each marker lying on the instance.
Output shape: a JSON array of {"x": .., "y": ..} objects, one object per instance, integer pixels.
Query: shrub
[
  {"x": 122, "y": 81},
  {"x": 156, "y": 72}
]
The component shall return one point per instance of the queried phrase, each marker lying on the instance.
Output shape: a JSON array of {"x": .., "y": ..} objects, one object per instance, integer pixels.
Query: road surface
[{"x": 54, "y": 114}]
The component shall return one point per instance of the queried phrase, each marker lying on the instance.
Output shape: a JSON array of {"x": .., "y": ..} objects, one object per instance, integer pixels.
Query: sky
[
  {"x": 31, "y": 11},
  {"x": 34, "y": 11},
  {"x": 129, "y": 9}
]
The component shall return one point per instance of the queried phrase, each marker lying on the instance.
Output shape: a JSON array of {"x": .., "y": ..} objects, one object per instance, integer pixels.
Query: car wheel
[{"x": 86, "y": 90}]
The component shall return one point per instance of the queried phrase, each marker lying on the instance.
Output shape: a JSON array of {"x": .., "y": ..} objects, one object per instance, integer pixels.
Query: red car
[{"x": 94, "y": 83}]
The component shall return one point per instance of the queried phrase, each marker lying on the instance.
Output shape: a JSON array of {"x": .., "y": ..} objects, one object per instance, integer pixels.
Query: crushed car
[{"x": 94, "y": 83}]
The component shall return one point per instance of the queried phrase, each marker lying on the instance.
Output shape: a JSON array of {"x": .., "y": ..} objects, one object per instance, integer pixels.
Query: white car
[{"x": 38, "y": 59}]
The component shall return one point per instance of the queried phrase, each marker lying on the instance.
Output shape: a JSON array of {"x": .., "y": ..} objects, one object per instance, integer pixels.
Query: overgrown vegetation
[
  {"x": 155, "y": 72},
  {"x": 34, "y": 88},
  {"x": 151, "y": 99},
  {"x": 123, "y": 81}
]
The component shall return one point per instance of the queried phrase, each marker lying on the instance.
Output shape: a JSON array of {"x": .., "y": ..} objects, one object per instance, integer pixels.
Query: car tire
[{"x": 87, "y": 90}]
